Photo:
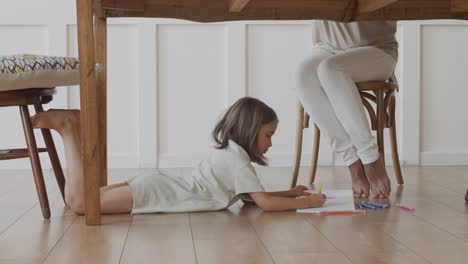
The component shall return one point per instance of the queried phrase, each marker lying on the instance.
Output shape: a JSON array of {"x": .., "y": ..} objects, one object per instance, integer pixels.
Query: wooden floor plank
[
  {"x": 92, "y": 244},
  {"x": 289, "y": 238},
  {"x": 427, "y": 240},
  {"x": 226, "y": 237},
  {"x": 361, "y": 242},
  {"x": 159, "y": 238},
  {"x": 31, "y": 238},
  {"x": 22, "y": 198},
  {"x": 436, "y": 232}
]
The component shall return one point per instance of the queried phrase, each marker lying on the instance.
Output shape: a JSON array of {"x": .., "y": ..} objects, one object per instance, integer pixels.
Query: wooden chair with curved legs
[
  {"x": 36, "y": 97},
  {"x": 382, "y": 94}
]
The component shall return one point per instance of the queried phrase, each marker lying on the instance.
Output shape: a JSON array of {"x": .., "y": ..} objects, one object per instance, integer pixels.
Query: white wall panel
[
  {"x": 444, "y": 68},
  {"x": 273, "y": 54},
  {"x": 191, "y": 90}
]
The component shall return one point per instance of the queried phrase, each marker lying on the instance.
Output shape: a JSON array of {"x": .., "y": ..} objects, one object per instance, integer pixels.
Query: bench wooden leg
[
  {"x": 54, "y": 159},
  {"x": 35, "y": 163}
]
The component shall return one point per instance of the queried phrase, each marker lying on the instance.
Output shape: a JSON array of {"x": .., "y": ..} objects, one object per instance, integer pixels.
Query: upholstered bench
[{"x": 31, "y": 80}]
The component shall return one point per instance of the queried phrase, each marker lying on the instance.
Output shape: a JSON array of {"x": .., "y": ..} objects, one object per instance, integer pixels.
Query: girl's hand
[
  {"x": 299, "y": 190},
  {"x": 316, "y": 200}
]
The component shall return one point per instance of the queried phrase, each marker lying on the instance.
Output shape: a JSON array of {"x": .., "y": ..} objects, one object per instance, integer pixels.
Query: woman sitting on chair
[{"x": 344, "y": 54}]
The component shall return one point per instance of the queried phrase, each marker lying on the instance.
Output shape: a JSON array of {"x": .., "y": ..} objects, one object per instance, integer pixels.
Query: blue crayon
[
  {"x": 360, "y": 206},
  {"x": 377, "y": 204},
  {"x": 366, "y": 205}
]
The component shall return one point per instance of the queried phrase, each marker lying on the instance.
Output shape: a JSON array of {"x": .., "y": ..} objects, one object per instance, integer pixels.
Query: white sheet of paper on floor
[{"x": 337, "y": 200}]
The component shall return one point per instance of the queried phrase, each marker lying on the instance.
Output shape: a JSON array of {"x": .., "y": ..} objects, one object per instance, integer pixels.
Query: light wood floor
[{"x": 436, "y": 233}]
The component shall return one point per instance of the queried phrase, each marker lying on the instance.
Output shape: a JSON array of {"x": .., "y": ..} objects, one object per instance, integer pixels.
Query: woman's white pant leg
[
  {"x": 317, "y": 105},
  {"x": 338, "y": 75}
]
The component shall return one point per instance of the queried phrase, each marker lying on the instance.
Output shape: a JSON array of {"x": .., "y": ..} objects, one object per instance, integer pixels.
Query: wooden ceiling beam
[{"x": 237, "y": 5}]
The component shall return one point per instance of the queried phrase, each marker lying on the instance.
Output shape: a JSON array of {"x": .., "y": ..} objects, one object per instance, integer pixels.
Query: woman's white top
[
  {"x": 336, "y": 36},
  {"x": 216, "y": 183}
]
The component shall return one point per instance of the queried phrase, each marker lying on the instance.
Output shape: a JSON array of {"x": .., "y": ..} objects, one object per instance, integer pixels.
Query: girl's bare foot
[
  {"x": 359, "y": 179},
  {"x": 57, "y": 119},
  {"x": 378, "y": 179}
]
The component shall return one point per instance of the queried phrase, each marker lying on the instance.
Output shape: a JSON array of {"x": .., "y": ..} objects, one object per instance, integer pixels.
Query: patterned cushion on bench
[{"x": 36, "y": 71}]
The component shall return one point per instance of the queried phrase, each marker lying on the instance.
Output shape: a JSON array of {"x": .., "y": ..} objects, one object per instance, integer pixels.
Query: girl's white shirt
[{"x": 217, "y": 182}]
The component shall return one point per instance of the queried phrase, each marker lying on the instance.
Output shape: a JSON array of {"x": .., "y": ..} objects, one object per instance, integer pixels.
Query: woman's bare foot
[
  {"x": 359, "y": 179},
  {"x": 378, "y": 179},
  {"x": 57, "y": 119}
]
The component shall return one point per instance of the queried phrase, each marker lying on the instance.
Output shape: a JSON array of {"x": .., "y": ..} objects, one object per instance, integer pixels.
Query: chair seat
[
  {"x": 26, "y": 96},
  {"x": 26, "y": 71},
  {"x": 370, "y": 86}
]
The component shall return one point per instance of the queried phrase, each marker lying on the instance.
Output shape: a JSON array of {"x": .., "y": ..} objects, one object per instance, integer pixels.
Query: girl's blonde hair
[{"x": 241, "y": 123}]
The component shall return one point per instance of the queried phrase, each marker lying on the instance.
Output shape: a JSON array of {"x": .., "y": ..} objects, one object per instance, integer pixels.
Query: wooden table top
[{"x": 230, "y": 10}]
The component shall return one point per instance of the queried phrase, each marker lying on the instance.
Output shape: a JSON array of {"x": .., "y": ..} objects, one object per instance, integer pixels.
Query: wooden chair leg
[
  {"x": 380, "y": 121},
  {"x": 393, "y": 142},
  {"x": 54, "y": 159},
  {"x": 35, "y": 163},
  {"x": 315, "y": 152},
  {"x": 299, "y": 132}
]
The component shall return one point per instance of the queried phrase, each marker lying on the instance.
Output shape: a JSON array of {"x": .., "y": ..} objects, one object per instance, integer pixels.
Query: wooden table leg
[
  {"x": 100, "y": 46},
  {"x": 89, "y": 112}
]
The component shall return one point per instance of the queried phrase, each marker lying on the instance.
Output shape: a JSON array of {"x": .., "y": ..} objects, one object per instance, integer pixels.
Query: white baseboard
[
  {"x": 388, "y": 160},
  {"x": 444, "y": 158}
]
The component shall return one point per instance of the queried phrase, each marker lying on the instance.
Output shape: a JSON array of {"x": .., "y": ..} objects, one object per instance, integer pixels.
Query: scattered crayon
[
  {"x": 367, "y": 205},
  {"x": 404, "y": 207},
  {"x": 377, "y": 204}
]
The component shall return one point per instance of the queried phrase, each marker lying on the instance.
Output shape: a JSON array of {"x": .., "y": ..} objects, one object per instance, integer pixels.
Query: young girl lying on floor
[{"x": 242, "y": 136}]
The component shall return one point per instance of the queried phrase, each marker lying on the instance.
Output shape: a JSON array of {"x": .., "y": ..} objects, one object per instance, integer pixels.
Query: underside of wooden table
[{"x": 229, "y": 10}]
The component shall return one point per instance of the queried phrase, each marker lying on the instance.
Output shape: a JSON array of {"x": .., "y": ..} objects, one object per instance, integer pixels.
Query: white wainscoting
[{"x": 170, "y": 80}]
